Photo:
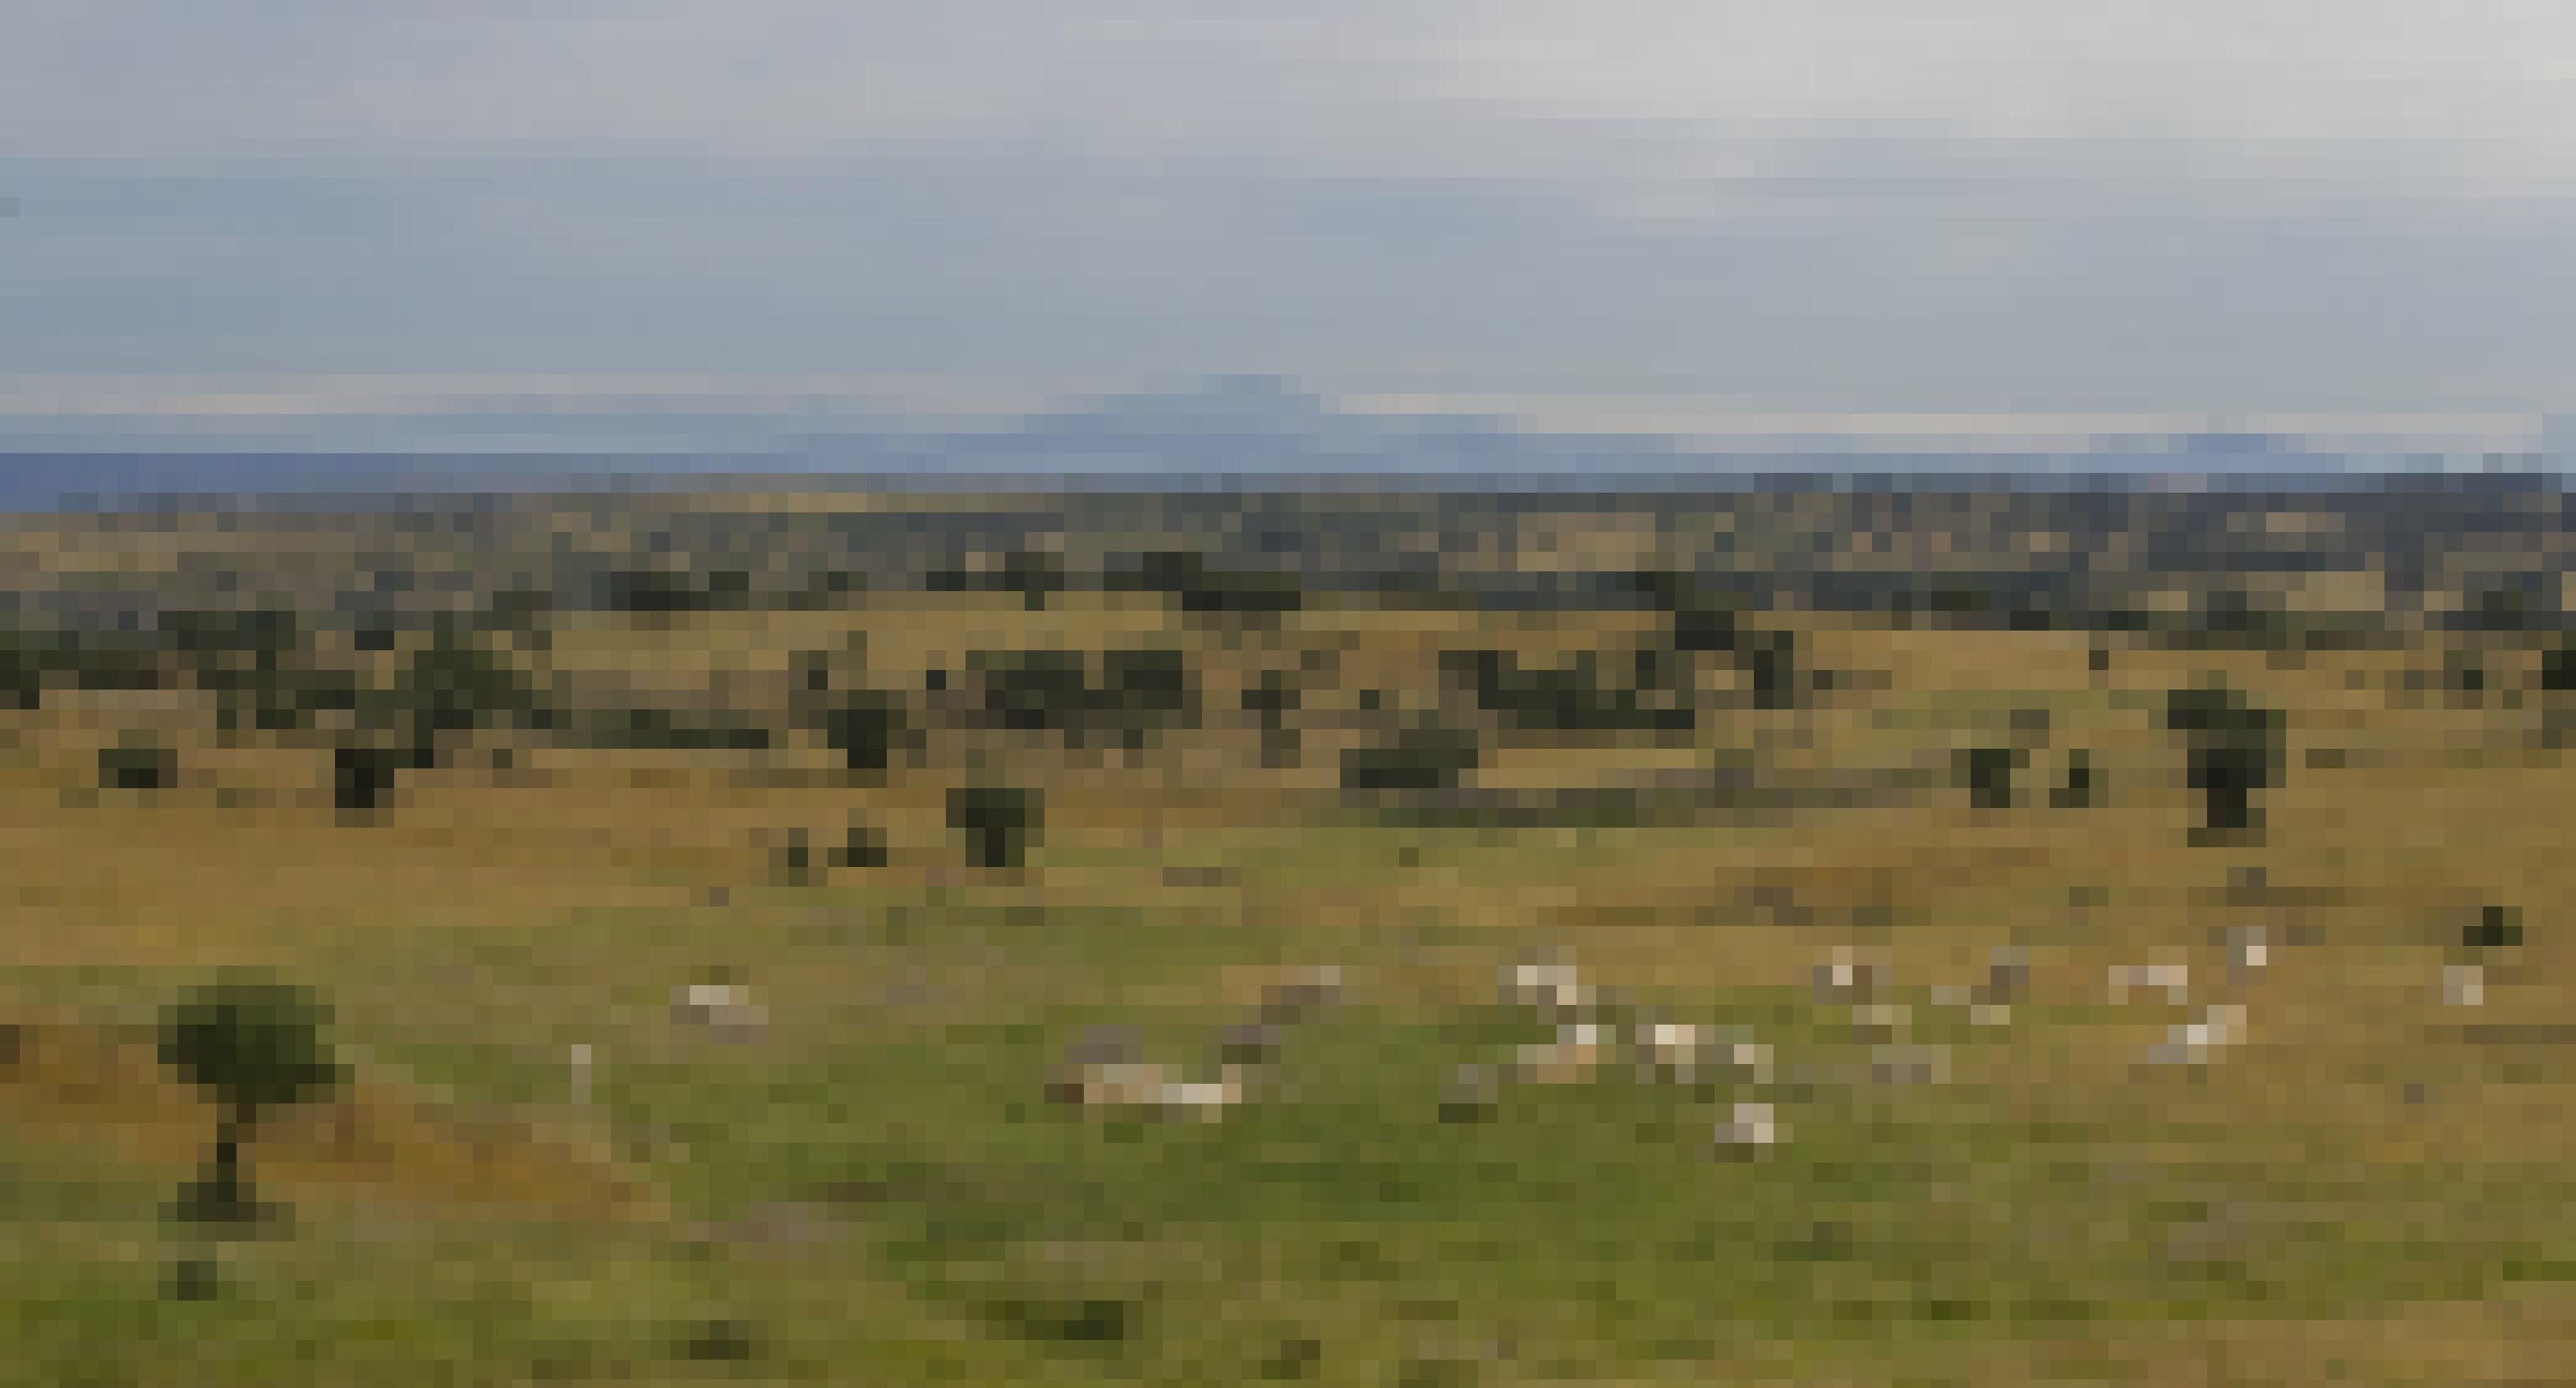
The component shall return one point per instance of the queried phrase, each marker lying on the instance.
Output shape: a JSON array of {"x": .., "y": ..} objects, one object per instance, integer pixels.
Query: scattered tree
[
  {"x": 2076, "y": 793},
  {"x": 1202, "y": 588},
  {"x": 2235, "y": 751},
  {"x": 1000, "y": 823},
  {"x": 1988, "y": 774},
  {"x": 137, "y": 763},
  {"x": 1420, "y": 758},
  {"x": 861, "y": 847},
  {"x": 1578, "y": 696},
  {"x": 1035, "y": 574},
  {"x": 865, "y": 726},
  {"x": 2497, "y": 927},
  {"x": 253, "y": 1046}
]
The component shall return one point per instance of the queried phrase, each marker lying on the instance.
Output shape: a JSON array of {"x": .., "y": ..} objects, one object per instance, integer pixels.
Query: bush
[
  {"x": 1772, "y": 663},
  {"x": 861, "y": 847},
  {"x": 1988, "y": 772},
  {"x": 667, "y": 730},
  {"x": 363, "y": 774},
  {"x": 2077, "y": 792},
  {"x": 1571, "y": 698},
  {"x": 2498, "y": 927},
  {"x": 2558, "y": 670},
  {"x": 1033, "y": 691},
  {"x": 866, "y": 727},
  {"x": 1000, "y": 823},
  {"x": 1036, "y": 575},
  {"x": 137, "y": 765},
  {"x": 662, "y": 592},
  {"x": 1139, "y": 692},
  {"x": 1201, "y": 588},
  {"x": 455, "y": 684},
  {"x": 793, "y": 860},
  {"x": 24, "y": 663},
  {"x": 1418, "y": 759}
]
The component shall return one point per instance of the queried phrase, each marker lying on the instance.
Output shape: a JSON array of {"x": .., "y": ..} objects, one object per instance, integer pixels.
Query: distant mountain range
[{"x": 1228, "y": 432}]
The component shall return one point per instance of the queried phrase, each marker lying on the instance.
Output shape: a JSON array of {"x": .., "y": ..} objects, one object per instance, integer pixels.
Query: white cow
[
  {"x": 2249, "y": 948},
  {"x": 1752, "y": 1124},
  {"x": 2175, "y": 979},
  {"x": 2194, "y": 1043},
  {"x": 1574, "y": 1055},
  {"x": 1205, "y": 1100},
  {"x": 1551, "y": 986},
  {"x": 727, "y": 1008},
  {"x": 1144, "y": 1085},
  {"x": 1672, "y": 1048},
  {"x": 1849, "y": 976}
]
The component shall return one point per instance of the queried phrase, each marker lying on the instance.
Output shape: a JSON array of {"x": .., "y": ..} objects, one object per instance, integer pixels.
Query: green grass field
[{"x": 876, "y": 1190}]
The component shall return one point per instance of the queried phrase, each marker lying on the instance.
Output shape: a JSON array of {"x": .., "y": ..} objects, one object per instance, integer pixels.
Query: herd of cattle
[{"x": 1592, "y": 1030}]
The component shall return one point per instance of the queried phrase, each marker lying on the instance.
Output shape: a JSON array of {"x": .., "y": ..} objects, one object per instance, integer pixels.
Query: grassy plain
[{"x": 876, "y": 1192}]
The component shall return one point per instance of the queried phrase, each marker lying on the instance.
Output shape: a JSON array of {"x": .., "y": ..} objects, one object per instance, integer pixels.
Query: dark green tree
[
  {"x": 252, "y": 1046},
  {"x": 1000, "y": 823},
  {"x": 455, "y": 684},
  {"x": 1702, "y": 618},
  {"x": 1988, "y": 774},
  {"x": 1423, "y": 758},
  {"x": 866, "y": 726},
  {"x": 2235, "y": 750},
  {"x": 137, "y": 762},
  {"x": 1035, "y": 574},
  {"x": 2076, "y": 793}
]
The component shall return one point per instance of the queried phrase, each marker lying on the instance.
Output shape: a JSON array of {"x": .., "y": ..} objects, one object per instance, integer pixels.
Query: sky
[{"x": 1834, "y": 208}]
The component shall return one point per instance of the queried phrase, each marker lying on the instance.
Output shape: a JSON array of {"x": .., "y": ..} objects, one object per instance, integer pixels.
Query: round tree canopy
[{"x": 251, "y": 1043}]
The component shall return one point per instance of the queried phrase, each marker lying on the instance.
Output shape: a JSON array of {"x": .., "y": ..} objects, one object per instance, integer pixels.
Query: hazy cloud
[{"x": 1997, "y": 205}]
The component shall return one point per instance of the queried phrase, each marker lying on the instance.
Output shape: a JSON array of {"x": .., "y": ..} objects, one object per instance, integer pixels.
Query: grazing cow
[
  {"x": 1124, "y": 1084},
  {"x": 2464, "y": 985},
  {"x": 1547, "y": 986},
  {"x": 2249, "y": 949},
  {"x": 1849, "y": 977},
  {"x": 1751, "y": 1125},
  {"x": 1672, "y": 1049},
  {"x": 1575, "y": 1055},
  {"x": 723, "y": 1007},
  {"x": 1205, "y": 1100},
  {"x": 1862, "y": 982},
  {"x": 2193, "y": 1043},
  {"x": 1093, "y": 1066},
  {"x": 2175, "y": 979}
]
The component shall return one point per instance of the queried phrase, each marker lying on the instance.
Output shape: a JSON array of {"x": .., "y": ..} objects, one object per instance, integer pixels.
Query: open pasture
[{"x": 873, "y": 1185}]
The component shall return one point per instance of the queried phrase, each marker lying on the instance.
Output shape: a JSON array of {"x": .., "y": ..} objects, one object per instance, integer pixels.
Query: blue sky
[{"x": 1990, "y": 206}]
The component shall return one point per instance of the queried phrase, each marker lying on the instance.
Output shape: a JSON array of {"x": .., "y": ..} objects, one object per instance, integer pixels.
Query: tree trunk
[
  {"x": 222, "y": 1195},
  {"x": 228, "y": 1190}
]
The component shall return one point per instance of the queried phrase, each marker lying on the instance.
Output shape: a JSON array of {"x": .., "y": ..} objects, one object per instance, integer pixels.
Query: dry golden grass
[{"x": 374, "y": 1144}]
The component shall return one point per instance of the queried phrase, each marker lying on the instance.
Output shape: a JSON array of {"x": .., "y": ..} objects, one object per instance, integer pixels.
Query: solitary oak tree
[{"x": 253, "y": 1046}]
